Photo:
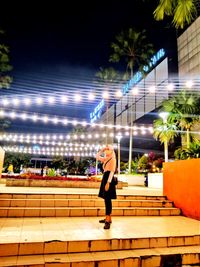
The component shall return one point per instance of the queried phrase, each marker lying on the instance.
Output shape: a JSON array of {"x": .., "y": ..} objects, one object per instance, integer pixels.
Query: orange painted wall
[{"x": 181, "y": 184}]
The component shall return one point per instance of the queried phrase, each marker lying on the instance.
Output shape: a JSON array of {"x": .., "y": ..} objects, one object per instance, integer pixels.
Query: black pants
[{"x": 108, "y": 205}]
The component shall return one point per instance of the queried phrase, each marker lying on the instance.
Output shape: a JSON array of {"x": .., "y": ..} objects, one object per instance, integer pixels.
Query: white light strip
[
  {"x": 55, "y": 119},
  {"x": 49, "y": 153},
  {"x": 87, "y": 95},
  {"x": 86, "y": 151},
  {"x": 60, "y": 138},
  {"x": 24, "y": 140}
]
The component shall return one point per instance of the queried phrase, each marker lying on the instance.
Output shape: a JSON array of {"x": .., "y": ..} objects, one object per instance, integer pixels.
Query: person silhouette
[{"x": 107, "y": 189}]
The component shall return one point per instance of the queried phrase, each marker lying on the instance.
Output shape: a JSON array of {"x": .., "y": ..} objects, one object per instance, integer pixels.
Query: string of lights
[
  {"x": 51, "y": 148},
  {"x": 69, "y": 140},
  {"x": 14, "y": 137},
  {"x": 50, "y": 151},
  {"x": 36, "y": 117},
  {"x": 53, "y": 143},
  {"x": 89, "y": 96}
]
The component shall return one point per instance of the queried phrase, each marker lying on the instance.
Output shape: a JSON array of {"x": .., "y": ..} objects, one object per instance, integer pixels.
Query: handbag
[{"x": 115, "y": 180}]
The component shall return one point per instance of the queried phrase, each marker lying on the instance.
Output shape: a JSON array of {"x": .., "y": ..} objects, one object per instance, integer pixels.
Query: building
[
  {"x": 141, "y": 95},
  {"x": 189, "y": 51}
]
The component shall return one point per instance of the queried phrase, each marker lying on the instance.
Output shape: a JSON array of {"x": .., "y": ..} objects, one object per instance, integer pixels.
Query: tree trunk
[
  {"x": 131, "y": 72},
  {"x": 130, "y": 141},
  {"x": 188, "y": 138},
  {"x": 130, "y": 150},
  {"x": 166, "y": 151}
]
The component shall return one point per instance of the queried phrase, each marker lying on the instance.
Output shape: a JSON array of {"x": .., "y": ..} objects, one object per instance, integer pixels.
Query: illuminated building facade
[{"x": 189, "y": 51}]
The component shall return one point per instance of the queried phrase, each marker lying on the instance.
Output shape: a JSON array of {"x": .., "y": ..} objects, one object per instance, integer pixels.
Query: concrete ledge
[
  {"x": 55, "y": 183},
  {"x": 155, "y": 180}
]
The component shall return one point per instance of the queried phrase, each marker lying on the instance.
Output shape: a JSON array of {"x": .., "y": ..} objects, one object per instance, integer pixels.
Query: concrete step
[
  {"x": 95, "y": 245},
  {"x": 85, "y": 211},
  {"x": 76, "y": 196},
  {"x": 175, "y": 256},
  {"x": 27, "y": 202}
]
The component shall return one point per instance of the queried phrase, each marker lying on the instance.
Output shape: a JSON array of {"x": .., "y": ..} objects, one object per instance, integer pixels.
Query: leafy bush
[
  {"x": 134, "y": 165},
  {"x": 123, "y": 167},
  {"x": 150, "y": 163},
  {"x": 51, "y": 172},
  {"x": 187, "y": 153},
  {"x": 17, "y": 159},
  {"x": 143, "y": 164},
  {"x": 158, "y": 163}
]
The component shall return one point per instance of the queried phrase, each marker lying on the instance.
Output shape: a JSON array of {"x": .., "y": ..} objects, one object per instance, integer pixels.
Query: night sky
[
  {"x": 53, "y": 46},
  {"x": 78, "y": 34}
]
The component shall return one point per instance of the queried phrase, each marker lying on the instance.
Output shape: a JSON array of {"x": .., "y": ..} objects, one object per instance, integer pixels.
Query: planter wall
[
  {"x": 135, "y": 179},
  {"x": 55, "y": 183},
  {"x": 155, "y": 180},
  {"x": 182, "y": 185}
]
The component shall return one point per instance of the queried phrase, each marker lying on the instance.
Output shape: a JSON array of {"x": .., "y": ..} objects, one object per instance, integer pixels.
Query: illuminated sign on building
[
  {"x": 138, "y": 75},
  {"x": 136, "y": 78},
  {"x": 96, "y": 114},
  {"x": 154, "y": 60}
]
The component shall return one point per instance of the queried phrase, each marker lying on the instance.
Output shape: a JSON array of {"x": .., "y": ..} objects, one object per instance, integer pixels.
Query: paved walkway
[
  {"x": 46, "y": 237},
  {"x": 85, "y": 228},
  {"x": 19, "y": 230},
  {"x": 130, "y": 190}
]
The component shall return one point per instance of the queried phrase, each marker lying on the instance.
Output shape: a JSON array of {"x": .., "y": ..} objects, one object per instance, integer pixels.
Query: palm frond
[
  {"x": 164, "y": 131},
  {"x": 184, "y": 13},
  {"x": 165, "y": 7},
  {"x": 133, "y": 48}
]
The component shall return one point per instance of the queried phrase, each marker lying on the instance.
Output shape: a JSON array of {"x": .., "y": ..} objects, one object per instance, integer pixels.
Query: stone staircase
[
  {"x": 95, "y": 247},
  {"x": 102, "y": 253},
  {"x": 45, "y": 205}
]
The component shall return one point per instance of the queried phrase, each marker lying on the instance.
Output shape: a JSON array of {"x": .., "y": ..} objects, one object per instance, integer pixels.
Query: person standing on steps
[{"x": 107, "y": 189}]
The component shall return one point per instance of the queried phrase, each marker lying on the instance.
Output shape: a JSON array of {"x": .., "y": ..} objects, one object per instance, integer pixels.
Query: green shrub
[
  {"x": 187, "y": 153},
  {"x": 51, "y": 172}
]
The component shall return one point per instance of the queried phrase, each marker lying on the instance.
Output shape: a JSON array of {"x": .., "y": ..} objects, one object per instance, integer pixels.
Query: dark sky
[
  {"x": 79, "y": 33},
  {"x": 61, "y": 41}
]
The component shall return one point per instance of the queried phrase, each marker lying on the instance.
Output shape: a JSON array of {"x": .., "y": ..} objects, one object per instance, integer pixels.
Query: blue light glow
[
  {"x": 97, "y": 111},
  {"x": 138, "y": 76},
  {"x": 133, "y": 81}
]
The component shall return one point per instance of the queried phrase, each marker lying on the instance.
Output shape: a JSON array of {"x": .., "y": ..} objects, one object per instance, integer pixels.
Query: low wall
[
  {"x": 55, "y": 183},
  {"x": 135, "y": 179},
  {"x": 182, "y": 185},
  {"x": 155, "y": 180}
]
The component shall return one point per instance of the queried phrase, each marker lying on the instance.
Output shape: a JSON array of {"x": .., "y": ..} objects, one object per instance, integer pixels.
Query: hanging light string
[
  {"x": 51, "y": 148},
  {"x": 47, "y": 143},
  {"x": 51, "y": 151},
  {"x": 70, "y": 140},
  {"x": 37, "y": 117},
  {"x": 55, "y": 139},
  {"x": 87, "y": 95}
]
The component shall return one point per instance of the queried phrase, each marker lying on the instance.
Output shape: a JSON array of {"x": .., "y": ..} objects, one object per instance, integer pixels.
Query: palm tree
[
  {"x": 183, "y": 11},
  {"x": 132, "y": 47},
  {"x": 107, "y": 75},
  {"x": 4, "y": 124},
  {"x": 183, "y": 111},
  {"x": 108, "y": 78},
  {"x": 165, "y": 132},
  {"x": 5, "y": 80}
]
